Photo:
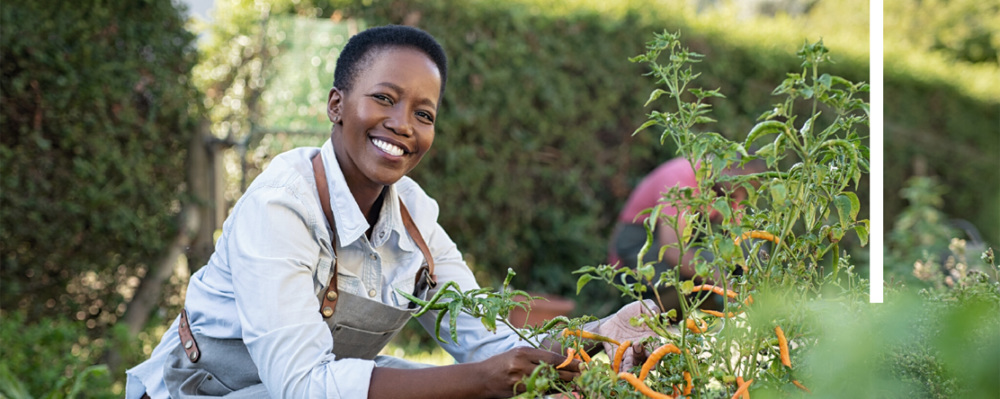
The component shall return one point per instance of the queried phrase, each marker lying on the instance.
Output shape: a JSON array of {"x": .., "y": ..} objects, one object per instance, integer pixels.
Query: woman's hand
[
  {"x": 504, "y": 371},
  {"x": 495, "y": 377}
]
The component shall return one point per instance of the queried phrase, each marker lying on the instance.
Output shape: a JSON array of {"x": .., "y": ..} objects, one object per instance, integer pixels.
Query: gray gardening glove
[{"x": 617, "y": 327}]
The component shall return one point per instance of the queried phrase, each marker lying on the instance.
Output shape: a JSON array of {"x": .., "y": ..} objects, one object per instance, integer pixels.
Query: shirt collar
[{"x": 351, "y": 223}]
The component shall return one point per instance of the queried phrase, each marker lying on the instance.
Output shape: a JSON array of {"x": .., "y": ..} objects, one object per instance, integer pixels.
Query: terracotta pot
[{"x": 542, "y": 310}]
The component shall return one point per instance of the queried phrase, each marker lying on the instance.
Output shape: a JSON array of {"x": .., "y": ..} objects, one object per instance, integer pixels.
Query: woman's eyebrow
[
  {"x": 391, "y": 85},
  {"x": 423, "y": 100}
]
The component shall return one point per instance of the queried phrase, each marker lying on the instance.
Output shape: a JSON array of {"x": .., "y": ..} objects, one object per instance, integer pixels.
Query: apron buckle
[{"x": 425, "y": 281}]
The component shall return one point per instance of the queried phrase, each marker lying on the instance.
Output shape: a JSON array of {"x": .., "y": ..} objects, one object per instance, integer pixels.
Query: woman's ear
[{"x": 334, "y": 107}]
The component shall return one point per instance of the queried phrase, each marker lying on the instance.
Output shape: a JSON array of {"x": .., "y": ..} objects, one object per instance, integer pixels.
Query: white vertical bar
[{"x": 875, "y": 243}]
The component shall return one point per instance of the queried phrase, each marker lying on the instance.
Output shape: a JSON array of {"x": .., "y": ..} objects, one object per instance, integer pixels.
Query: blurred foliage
[
  {"x": 921, "y": 226},
  {"x": 942, "y": 305},
  {"x": 96, "y": 116},
  {"x": 57, "y": 357},
  {"x": 942, "y": 105},
  {"x": 962, "y": 30},
  {"x": 52, "y": 358},
  {"x": 935, "y": 343}
]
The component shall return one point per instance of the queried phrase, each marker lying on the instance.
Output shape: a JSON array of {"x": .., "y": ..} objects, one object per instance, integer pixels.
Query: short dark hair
[{"x": 360, "y": 46}]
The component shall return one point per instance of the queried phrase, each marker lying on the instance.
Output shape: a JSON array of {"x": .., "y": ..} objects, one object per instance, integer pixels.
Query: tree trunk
[
  {"x": 147, "y": 295},
  {"x": 206, "y": 179},
  {"x": 190, "y": 220}
]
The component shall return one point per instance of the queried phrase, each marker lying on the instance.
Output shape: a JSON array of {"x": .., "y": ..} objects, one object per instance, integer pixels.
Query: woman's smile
[{"x": 388, "y": 148}]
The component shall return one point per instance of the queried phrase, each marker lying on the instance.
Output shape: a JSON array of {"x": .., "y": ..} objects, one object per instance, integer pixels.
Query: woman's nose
[{"x": 399, "y": 123}]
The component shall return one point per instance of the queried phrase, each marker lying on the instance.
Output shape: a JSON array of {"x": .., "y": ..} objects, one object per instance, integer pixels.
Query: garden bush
[
  {"x": 96, "y": 116},
  {"x": 50, "y": 358}
]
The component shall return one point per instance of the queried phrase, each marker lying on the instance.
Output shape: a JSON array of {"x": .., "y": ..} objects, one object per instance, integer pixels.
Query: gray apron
[
  {"x": 361, "y": 328},
  {"x": 213, "y": 367}
]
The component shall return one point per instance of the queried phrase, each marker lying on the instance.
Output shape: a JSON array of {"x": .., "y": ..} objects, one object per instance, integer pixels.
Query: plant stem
[{"x": 517, "y": 331}]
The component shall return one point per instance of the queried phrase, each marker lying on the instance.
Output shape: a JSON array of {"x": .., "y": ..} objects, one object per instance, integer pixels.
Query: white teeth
[{"x": 388, "y": 148}]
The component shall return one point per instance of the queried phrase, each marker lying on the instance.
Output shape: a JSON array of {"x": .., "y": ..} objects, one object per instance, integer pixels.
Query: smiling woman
[{"x": 303, "y": 289}]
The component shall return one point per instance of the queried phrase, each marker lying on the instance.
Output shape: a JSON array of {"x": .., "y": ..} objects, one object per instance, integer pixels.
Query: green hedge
[
  {"x": 933, "y": 127},
  {"x": 95, "y": 117}
]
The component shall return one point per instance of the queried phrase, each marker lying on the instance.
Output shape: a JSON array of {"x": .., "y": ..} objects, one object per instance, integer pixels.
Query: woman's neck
[
  {"x": 369, "y": 199},
  {"x": 367, "y": 194}
]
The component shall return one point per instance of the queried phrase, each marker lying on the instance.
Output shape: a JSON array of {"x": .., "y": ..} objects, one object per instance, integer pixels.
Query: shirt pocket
[
  {"x": 349, "y": 284},
  {"x": 404, "y": 284}
]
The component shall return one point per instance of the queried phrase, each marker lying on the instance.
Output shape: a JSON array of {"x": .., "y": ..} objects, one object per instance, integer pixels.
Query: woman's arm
[{"x": 495, "y": 377}]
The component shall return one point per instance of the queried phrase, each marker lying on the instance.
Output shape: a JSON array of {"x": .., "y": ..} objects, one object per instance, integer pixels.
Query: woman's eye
[
  {"x": 426, "y": 116},
  {"x": 383, "y": 98}
]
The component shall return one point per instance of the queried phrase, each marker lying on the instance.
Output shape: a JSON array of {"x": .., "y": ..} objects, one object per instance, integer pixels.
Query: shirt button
[
  {"x": 371, "y": 293},
  {"x": 374, "y": 256},
  {"x": 381, "y": 234}
]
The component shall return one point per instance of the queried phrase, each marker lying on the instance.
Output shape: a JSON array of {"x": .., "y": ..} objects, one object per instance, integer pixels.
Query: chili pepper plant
[{"x": 772, "y": 253}]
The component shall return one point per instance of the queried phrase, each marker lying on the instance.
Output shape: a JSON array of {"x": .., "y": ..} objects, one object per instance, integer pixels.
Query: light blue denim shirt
[{"x": 273, "y": 259}]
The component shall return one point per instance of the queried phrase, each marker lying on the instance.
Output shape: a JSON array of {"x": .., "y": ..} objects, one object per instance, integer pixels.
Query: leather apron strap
[
  {"x": 187, "y": 338},
  {"x": 425, "y": 275}
]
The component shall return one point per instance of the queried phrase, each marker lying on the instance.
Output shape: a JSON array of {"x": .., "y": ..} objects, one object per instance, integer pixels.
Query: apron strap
[
  {"x": 187, "y": 338},
  {"x": 425, "y": 275}
]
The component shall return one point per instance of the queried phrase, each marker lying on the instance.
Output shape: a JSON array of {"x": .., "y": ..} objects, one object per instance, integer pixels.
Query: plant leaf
[
  {"x": 642, "y": 127},
  {"x": 582, "y": 281},
  {"x": 778, "y": 193},
  {"x": 655, "y": 95}
]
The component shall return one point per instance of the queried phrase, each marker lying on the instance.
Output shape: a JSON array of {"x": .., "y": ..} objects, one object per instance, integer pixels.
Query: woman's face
[{"x": 385, "y": 124}]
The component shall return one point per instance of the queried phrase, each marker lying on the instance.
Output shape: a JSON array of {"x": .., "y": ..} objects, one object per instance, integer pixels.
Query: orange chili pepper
[
  {"x": 743, "y": 389},
  {"x": 783, "y": 346},
  {"x": 583, "y": 355},
  {"x": 619, "y": 353},
  {"x": 759, "y": 234},
  {"x": 739, "y": 382},
  {"x": 715, "y": 289},
  {"x": 655, "y": 358},
  {"x": 802, "y": 387},
  {"x": 691, "y": 325},
  {"x": 570, "y": 355},
  {"x": 719, "y": 314},
  {"x": 690, "y": 385},
  {"x": 588, "y": 335},
  {"x": 642, "y": 388},
  {"x": 720, "y": 291}
]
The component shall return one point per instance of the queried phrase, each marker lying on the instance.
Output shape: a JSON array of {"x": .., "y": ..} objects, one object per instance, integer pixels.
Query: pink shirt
[{"x": 676, "y": 172}]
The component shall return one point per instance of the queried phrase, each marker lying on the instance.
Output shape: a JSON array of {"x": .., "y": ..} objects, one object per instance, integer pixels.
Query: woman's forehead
[
  {"x": 402, "y": 68},
  {"x": 395, "y": 54}
]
